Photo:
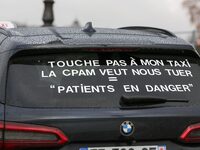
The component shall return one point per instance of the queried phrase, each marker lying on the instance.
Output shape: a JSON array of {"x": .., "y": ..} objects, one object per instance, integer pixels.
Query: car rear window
[{"x": 100, "y": 79}]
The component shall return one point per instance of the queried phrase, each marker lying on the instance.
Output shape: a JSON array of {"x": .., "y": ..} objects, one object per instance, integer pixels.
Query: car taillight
[
  {"x": 17, "y": 135},
  {"x": 191, "y": 134},
  {"x": 1, "y": 134}
]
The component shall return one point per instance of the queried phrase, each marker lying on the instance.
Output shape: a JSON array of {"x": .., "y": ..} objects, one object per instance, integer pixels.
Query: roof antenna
[
  {"x": 48, "y": 16},
  {"x": 89, "y": 28}
]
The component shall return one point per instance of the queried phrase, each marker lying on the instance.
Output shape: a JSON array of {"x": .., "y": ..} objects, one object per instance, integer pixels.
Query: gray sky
[{"x": 167, "y": 14}]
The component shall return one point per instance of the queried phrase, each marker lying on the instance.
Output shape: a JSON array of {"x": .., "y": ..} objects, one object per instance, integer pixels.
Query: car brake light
[
  {"x": 17, "y": 136},
  {"x": 191, "y": 134},
  {"x": 1, "y": 134}
]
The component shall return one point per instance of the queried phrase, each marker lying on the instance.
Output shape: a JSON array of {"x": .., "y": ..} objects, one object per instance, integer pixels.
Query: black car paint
[
  {"x": 97, "y": 127},
  {"x": 85, "y": 125}
]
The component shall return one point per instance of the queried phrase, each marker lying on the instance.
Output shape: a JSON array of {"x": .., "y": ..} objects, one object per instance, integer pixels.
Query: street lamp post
[{"x": 48, "y": 16}]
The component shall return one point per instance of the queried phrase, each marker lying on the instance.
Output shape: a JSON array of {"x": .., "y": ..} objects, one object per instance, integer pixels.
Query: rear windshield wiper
[{"x": 146, "y": 101}]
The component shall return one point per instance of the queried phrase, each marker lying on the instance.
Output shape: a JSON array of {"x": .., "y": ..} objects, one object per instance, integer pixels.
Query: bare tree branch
[{"x": 194, "y": 11}]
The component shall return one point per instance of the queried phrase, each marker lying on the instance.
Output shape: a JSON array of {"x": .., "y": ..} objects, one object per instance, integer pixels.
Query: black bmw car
[{"x": 132, "y": 88}]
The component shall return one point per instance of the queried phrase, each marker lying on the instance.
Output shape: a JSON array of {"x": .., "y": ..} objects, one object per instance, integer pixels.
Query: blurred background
[{"x": 179, "y": 16}]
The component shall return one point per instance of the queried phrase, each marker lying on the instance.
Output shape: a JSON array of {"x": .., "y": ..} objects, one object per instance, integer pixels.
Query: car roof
[{"x": 67, "y": 37}]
